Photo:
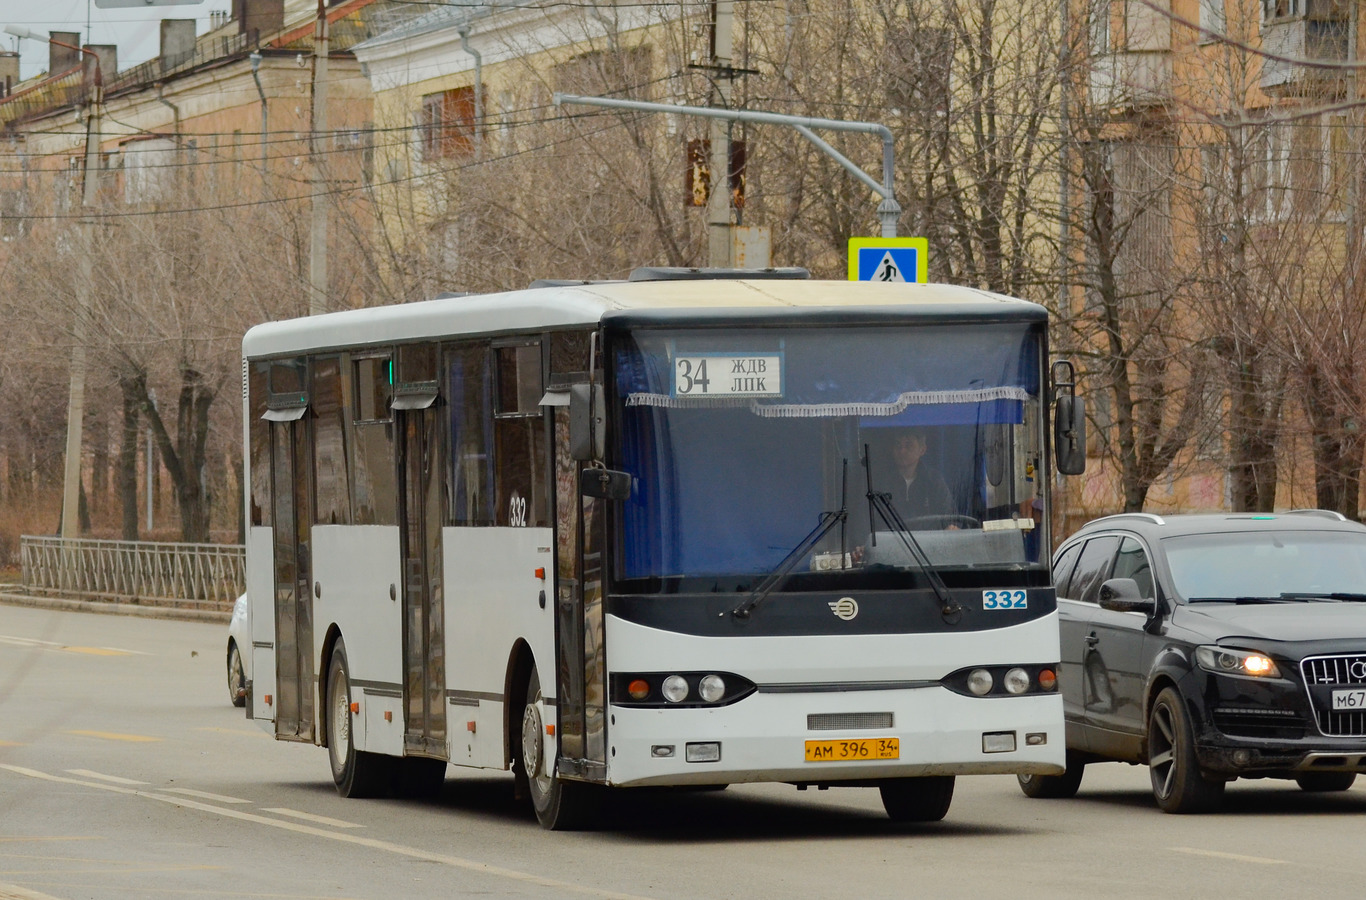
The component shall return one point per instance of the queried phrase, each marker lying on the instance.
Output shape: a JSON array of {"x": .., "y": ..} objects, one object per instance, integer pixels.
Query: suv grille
[{"x": 1335, "y": 671}]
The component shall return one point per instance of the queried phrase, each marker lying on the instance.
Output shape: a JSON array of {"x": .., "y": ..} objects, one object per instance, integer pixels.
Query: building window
[
  {"x": 1212, "y": 20},
  {"x": 447, "y": 124},
  {"x": 623, "y": 73}
]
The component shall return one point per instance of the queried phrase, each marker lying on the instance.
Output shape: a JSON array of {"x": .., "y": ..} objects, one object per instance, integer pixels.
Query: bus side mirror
[
  {"x": 1069, "y": 421},
  {"x": 606, "y": 484},
  {"x": 1069, "y": 435},
  {"x": 587, "y": 426}
]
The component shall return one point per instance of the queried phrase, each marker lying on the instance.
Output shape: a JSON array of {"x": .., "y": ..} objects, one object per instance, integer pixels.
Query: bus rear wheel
[
  {"x": 924, "y": 799},
  {"x": 560, "y": 805},
  {"x": 356, "y": 772}
]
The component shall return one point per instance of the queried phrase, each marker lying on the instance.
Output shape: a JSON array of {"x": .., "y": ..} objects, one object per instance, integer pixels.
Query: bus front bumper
[{"x": 764, "y": 738}]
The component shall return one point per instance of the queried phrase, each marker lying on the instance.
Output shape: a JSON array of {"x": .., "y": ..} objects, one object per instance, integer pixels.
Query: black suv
[{"x": 1213, "y": 647}]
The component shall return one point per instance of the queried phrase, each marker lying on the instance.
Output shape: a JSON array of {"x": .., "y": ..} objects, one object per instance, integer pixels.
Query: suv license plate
[
  {"x": 1354, "y": 699},
  {"x": 849, "y": 751}
]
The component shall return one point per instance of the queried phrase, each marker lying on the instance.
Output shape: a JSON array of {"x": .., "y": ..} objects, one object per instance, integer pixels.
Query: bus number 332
[{"x": 1005, "y": 600}]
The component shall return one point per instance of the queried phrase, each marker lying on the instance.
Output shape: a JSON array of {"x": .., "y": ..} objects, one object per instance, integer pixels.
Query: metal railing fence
[{"x": 207, "y": 576}]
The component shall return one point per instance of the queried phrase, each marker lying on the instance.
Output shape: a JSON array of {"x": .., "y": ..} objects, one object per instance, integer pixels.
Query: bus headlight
[
  {"x": 979, "y": 682},
  {"x": 1017, "y": 680},
  {"x": 675, "y": 689}
]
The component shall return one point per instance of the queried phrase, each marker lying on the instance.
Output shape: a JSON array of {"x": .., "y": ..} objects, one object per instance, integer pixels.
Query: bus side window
[
  {"x": 470, "y": 389},
  {"x": 520, "y": 445},
  {"x": 259, "y": 433},
  {"x": 374, "y": 487}
]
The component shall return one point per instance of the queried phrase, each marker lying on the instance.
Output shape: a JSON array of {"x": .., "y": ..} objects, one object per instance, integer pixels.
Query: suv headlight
[{"x": 1248, "y": 663}]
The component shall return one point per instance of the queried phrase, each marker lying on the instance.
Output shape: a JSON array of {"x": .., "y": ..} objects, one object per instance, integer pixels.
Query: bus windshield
[{"x": 739, "y": 441}]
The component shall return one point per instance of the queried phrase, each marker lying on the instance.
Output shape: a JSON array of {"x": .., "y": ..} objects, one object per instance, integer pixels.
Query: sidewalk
[{"x": 11, "y": 595}]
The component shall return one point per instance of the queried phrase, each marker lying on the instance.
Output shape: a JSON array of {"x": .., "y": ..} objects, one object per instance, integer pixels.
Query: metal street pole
[
  {"x": 317, "y": 254},
  {"x": 75, "y": 404},
  {"x": 888, "y": 210},
  {"x": 255, "y": 58},
  {"x": 719, "y": 242}
]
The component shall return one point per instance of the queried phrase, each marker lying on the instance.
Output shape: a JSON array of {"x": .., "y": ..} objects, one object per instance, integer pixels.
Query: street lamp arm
[{"x": 888, "y": 211}]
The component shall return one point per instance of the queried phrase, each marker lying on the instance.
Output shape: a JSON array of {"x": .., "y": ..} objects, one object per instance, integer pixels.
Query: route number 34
[{"x": 1005, "y": 599}]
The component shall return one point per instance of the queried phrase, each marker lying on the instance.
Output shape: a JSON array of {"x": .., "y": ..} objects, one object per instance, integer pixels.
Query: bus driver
[{"x": 920, "y": 491}]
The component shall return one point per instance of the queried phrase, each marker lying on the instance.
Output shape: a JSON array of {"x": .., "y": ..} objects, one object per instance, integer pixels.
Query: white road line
[
  {"x": 341, "y": 837},
  {"x": 53, "y": 645},
  {"x": 86, "y": 773},
  {"x": 204, "y": 795},
  {"x": 309, "y": 817},
  {"x": 14, "y": 892},
  {"x": 1232, "y": 857}
]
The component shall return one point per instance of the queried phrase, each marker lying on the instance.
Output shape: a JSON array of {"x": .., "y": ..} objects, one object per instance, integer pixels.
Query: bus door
[
  {"x": 291, "y": 475},
  {"x": 581, "y": 661},
  {"x": 421, "y": 492}
]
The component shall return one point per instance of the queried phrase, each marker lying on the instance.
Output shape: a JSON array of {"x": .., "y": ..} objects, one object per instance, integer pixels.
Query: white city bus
[{"x": 649, "y": 532}]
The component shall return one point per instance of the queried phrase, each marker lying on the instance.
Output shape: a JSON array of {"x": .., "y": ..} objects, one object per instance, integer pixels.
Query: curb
[{"x": 113, "y": 608}]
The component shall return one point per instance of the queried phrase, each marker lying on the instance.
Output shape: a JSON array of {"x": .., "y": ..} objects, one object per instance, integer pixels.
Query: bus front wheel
[
  {"x": 560, "y": 805},
  {"x": 924, "y": 799},
  {"x": 356, "y": 772}
]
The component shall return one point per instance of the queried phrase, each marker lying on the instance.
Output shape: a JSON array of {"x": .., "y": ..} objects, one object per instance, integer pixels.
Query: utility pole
[
  {"x": 317, "y": 256},
  {"x": 75, "y": 404},
  {"x": 719, "y": 241}
]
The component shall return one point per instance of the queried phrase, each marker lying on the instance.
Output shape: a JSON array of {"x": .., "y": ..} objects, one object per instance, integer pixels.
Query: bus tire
[
  {"x": 559, "y": 805},
  {"x": 924, "y": 799},
  {"x": 356, "y": 772}
]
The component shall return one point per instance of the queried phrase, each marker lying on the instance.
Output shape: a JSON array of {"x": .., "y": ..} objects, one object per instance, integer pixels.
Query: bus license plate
[
  {"x": 849, "y": 751},
  {"x": 1353, "y": 699}
]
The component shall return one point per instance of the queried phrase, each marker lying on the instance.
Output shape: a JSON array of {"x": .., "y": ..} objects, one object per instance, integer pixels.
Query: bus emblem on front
[{"x": 845, "y": 607}]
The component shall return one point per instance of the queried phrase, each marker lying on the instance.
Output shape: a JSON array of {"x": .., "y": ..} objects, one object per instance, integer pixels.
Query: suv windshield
[
  {"x": 1290, "y": 565},
  {"x": 738, "y": 441}
]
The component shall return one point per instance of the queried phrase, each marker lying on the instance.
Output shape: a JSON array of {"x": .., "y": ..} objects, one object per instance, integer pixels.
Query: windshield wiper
[
  {"x": 882, "y": 502},
  {"x": 828, "y": 521},
  {"x": 1331, "y": 595},
  {"x": 1239, "y": 600}
]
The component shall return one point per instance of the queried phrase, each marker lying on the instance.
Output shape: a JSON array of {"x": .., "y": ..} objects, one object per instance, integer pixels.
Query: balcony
[
  {"x": 1314, "y": 30},
  {"x": 1132, "y": 79}
]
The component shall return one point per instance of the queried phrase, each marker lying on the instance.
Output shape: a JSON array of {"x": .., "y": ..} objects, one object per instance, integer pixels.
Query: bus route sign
[
  {"x": 889, "y": 259},
  {"x": 728, "y": 375}
]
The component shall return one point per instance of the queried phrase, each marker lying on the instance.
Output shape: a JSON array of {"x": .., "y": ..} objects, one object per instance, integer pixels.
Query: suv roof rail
[
  {"x": 684, "y": 273},
  {"x": 1147, "y": 517},
  {"x": 1321, "y": 513}
]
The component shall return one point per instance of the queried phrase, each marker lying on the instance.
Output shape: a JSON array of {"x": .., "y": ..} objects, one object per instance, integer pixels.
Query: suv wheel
[
  {"x": 1055, "y": 786},
  {"x": 1178, "y": 784}
]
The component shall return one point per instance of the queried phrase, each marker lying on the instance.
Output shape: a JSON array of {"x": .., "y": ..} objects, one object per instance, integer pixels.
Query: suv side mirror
[
  {"x": 587, "y": 425},
  {"x": 1123, "y": 595}
]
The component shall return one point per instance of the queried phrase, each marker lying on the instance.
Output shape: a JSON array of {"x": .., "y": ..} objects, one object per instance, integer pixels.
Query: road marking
[
  {"x": 204, "y": 795},
  {"x": 115, "y": 736},
  {"x": 36, "y": 644},
  {"x": 309, "y": 817},
  {"x": 340, "y": 837},
  {"x": 86, "y": 773},
  {"x": 10, "y": 744},
  {"x": 49, "y": 837},
  {"x": 1233, "y": 857},
  {"x": 14, "y": 892},
  {"x": 98, "y": 651}
]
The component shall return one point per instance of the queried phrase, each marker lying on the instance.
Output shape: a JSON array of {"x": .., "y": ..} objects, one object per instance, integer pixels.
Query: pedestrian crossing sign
[{"x": 889, "y": 259}]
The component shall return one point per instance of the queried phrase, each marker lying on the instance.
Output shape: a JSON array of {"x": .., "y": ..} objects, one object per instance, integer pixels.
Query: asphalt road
[{"x": 125, "y": 773}]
